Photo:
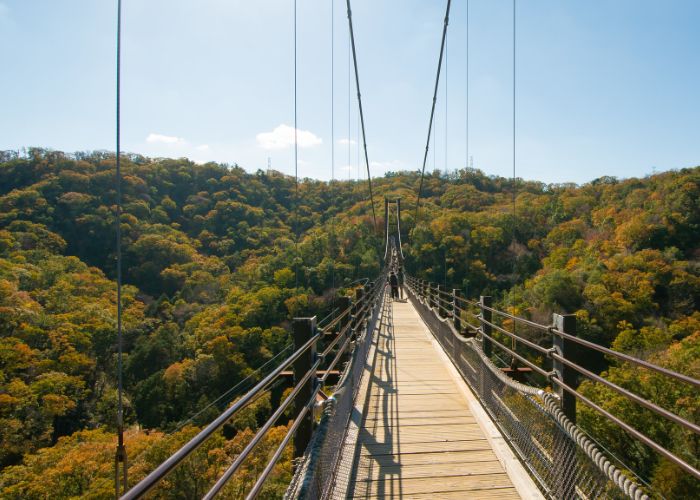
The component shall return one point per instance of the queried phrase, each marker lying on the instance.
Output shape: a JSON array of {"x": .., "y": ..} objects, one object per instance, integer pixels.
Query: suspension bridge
[
  {"x": 437, "y": 394},
  {"x": 424, "y": 406}
]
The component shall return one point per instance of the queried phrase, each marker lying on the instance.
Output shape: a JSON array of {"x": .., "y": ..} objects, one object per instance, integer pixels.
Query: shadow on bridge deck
[{"x": 416, "y": 436}]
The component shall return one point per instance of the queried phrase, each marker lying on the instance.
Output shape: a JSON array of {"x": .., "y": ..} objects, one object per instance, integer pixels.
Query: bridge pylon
[{"x": 393, "y": 251}]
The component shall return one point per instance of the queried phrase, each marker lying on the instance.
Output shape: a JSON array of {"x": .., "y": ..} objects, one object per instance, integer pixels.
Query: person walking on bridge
[
  {"x": 400, "y": 278},
  {"x": 394, "y": 283}
]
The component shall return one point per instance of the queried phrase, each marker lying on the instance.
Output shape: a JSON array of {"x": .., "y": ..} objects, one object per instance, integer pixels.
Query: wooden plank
[
  {"x": 391, "y": 487},
  {"x": 439, "y": 457},
  {"x": 369, "y": 448},
  {"x": 421, "y": 412},
  {"x": 422, "y": 421},
  {"x": 442, "y": 469},
  {"x": 505, "y": 493},
  {"x": 418, "y": 436}
]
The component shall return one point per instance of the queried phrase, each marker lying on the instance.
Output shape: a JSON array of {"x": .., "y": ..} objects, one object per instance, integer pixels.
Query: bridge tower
[{"x": 392, "y": 241}]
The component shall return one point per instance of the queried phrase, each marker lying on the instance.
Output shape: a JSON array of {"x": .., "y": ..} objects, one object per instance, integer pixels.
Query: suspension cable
[
  {"x": 349, "y": 110},
  {"x": 446, "y": 125},
  {"x": 514, "y": 58},
  {"x": 362, "y": 117},
  {"x": 120, "y": 456},
  {"x": 467, "y": 91},
  {"x": 296, "y": 161},
  {"x": 432, "y": 111},
  {"x": 332, "y": 187},
  {"x": 232, "y": 390},
  {"x": 512, "y": 237}
]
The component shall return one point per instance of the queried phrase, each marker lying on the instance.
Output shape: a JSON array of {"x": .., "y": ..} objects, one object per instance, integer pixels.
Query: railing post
[
  {"x": 344, "y": 303},
  {"x": 370, "y": 304},
  {"x": 487, "y": 317},
  {"x": 564, "y": 455},
  {"x": 302, "y": 330},
  {"x": 566, "y": 349},
  {"x": 442, "y": 310},
  {"x": 433, "y": 295},
  {"x": 359, "y": 294},
  {"x": 456, "y": 314}
]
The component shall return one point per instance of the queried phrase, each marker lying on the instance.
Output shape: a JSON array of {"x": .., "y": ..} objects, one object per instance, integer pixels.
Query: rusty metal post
[
  {"x": 565, "y": 486},
  {"x": 359, "y": 302},
  {"x": 302, "y": 330},
  {"x": 344, "y": 303},
  {"x": 566, "y": 349},
  {"x": 456, "y": 314},
  {"x": 441, "y": 307},
  {"x": 487, "y": 317}
]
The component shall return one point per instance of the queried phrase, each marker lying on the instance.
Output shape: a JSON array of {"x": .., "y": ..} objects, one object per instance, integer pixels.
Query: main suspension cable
[
  {"x": 120, "y": 456},
  {"x": 467, "y": 91},
  {"x": 510, "y": 301},
  {"x": 332, "y": 186},
  {"x": 432, "y": 110},
  {"x": 446, "y": 124},
  {"x": 296, "y": 161},
  {"x": 362, "y": 117}
]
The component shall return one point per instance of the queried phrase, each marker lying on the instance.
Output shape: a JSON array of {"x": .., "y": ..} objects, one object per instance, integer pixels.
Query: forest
[{"x": 217, "y": 261}]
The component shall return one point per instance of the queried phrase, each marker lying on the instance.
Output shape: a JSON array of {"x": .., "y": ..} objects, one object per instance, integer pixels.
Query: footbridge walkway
[
  {"x": 424, "y": 406},
  {"x": 439, "y": 395},
  {"x": 423, "y": 433}
]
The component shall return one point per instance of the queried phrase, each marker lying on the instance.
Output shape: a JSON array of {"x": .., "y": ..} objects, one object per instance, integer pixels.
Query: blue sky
[{"x": 603, "y": 87}]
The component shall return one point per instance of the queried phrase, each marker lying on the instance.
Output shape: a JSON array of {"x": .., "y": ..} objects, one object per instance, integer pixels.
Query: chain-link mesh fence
[
  {"x": 322, "y": 469},
  {"x": 563, "y": 462}
]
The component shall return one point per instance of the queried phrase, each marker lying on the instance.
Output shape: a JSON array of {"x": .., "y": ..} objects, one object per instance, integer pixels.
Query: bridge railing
[
  {"x": 475, "y": 333},
  {"x": 314, "y": 359}
]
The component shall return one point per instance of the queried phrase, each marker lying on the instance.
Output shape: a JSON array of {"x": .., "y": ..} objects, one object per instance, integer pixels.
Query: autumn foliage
[{"x": 217, "y": 261}]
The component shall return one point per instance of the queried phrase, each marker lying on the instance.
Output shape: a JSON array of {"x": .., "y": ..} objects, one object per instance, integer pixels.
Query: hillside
[{"x": 217, "y": 261}]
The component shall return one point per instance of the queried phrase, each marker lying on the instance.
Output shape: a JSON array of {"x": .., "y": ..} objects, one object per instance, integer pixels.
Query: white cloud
[
  {"x": 347, "y": 168},
  {"x": 203, "y": 147},
  {"x": 283, "y": 137},
  {"x": 164, "y": 139},
  {"x": 346, "y": 142}
]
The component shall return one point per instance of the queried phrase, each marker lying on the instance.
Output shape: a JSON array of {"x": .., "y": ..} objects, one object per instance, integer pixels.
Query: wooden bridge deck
[{"x": 418, "y": 437}]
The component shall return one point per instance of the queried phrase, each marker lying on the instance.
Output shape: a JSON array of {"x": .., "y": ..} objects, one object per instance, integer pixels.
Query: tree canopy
[{"x": 217, "y": 261}]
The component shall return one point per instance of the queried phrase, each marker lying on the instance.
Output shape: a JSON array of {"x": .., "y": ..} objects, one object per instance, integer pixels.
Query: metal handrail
[
  {"x": 261, "y": 433},
  {"x": 518, "y": 319},
  {"x": 368, "y": 300},
  {"x": 333, "y": 311},
  {"x": 467, "y": 311},
  {"x": 628, "y": 428},
  {"x": 628, "y": 394},
  {"x": 515, "y": 336},
  {"x": 520, "y": 358},
  {"x": 146, "y": 484},
  {"x": 622, "y": 356},
  {"x": 163, "y": 469},
  {"x": 626, "y": 357},
  {"x": 465, "y": 300},
  {"x": 278, "y": 452},
  {"x": 336, "y": 319},
  {"x": 551, "y": 353}
]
